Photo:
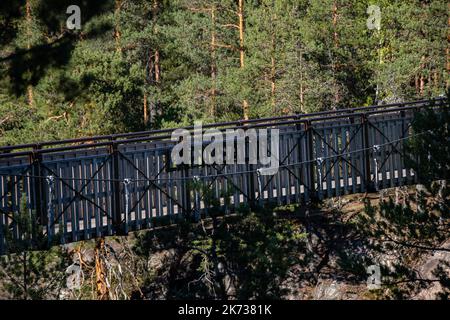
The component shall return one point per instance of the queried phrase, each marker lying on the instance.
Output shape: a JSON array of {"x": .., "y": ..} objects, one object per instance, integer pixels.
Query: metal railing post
[
  {"x": 319, "y": 175},
  {"x": 185, "y": 191},
  {"x": 376, "y": 148},
  {"x": 310, "y": 157},
  {"x": 260, "y": 188},
  {"x": 50, "y": 210},
  {"x": 116, "y": 198},
  {"x": 126, "y": 183},
  {"x": 298, "y": 128},
  {"x": 368, "y": 186},
  {"x": 196, "y": 215},
  {"x": 249, "y": 176},
  {"x": 38, "y": 185}
]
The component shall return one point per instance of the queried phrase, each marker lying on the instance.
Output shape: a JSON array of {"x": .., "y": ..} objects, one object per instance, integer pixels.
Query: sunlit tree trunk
[
  {"x": 29, "y": 21},
  {"x": 448, "y": 49},
  {"x": 213, "y": 62},
  {"x": 302, "y": 90},
  {"x": 272, "y": 80},
  {"x": 272, "y": 62},
  {"x": 422, "y": 78},
  {"x": 153, "y": 76},
  {"x": 241, "y": 51},
  {"x": 380, "y": 62},
  {"x": 335, "y": 19},
  {"x": 422, "y": 85},
  {"x": 148, "y": 79},
  {"x": 213, "y": 44},
  {"x": 117, "y": 34},
  {"x": 335, "y": 66},
  {"x": 416, "y": 84},
  {"x": 157, "y": 66},
  {"x": 145, "y": 108},
  {"x": 100, "y": 271},
  {"x": 436, "y": 79},
  {"x": 156, "y": 56}
]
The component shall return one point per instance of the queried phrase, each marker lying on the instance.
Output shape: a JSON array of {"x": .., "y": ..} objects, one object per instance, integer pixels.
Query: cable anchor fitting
[{"x": 376, "y": 148}]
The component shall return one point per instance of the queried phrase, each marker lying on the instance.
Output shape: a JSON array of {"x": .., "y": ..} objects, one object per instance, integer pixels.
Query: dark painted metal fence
[{"x": 84, "y": 188}]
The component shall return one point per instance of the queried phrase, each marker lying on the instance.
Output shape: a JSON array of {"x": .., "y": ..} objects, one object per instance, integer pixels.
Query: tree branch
[
  {"x": 416, "y": 246},
  {"x": 229, "y": 25}
]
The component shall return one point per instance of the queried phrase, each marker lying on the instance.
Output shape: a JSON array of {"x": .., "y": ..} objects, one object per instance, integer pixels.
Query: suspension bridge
[{"x": 77, "y": 189}]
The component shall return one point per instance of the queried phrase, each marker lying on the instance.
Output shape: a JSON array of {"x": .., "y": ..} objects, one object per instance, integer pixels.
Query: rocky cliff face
[
  {"x": 426, "y": 270},
  {"x": 329, "y": 263}
]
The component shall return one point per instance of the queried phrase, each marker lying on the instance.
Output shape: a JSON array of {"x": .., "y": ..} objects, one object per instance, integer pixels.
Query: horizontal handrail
[{"x": 156, "y": 135}]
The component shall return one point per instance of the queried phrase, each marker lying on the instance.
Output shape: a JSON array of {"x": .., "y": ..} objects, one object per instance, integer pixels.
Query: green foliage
[
  {"x": 393, "y": 223},
  {"x": 183, "y": 58},
  {"x": 400, "y": 233},
  {"x": 429, "y": 150},
  {"x": 26, "y": 274},
  {"x": 33, "y": 275},
  {"x": 259, "y": 250},
  {"x": 251, "y": 252},
  {"x": 405, "y": 230}
]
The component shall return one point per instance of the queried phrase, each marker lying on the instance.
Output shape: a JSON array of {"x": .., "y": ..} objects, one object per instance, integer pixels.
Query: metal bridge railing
[{"x": 127, "y": 182}]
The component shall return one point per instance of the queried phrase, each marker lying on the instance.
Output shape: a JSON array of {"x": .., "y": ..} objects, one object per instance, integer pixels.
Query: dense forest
[{"x": 139, "y": 65}]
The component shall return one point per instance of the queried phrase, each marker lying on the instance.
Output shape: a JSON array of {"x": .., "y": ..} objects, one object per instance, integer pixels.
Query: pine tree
[{"x": 138, "y": 65}]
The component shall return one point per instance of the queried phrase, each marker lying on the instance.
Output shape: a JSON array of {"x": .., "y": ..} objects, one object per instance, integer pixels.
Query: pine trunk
[
  {"x": 272, "y": 67},
  {"x": 416, "y": 84},
  {"x": 29, "y": 20},
  {"x": 448, "y": 49},
  {"x": 157, "y": 57},
  {"x": 436, "y": 79},
  {"x": 145, "y": 109},
  {"x": 422, "y": 78},
  {"x": 422, "y": 83},
  {"x": 335, "y": 18},
  {"x": 272, "y": 80},
  {"x": 117, "y": 34},
  {"x": 335, "y": 67},
  {"x": 157, "y": 66},
  {"x": 301, "y": 66},
  {"x": 213, "y": 62},
  {"x": 241, "y": 50},
  {"x": 100, "y": 271}
]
